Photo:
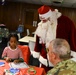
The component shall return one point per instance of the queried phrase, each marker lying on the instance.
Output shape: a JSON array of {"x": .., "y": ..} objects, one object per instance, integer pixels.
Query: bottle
[{"x": 0, "y": 35}]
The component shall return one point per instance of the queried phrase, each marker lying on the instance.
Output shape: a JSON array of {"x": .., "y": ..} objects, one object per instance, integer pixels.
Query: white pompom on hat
[
  {"x": 44, "y": 12},
  {"x": 58, "y": 14}
]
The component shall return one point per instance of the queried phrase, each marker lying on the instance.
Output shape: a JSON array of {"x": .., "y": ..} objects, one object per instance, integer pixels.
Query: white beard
[{"x": 46, "y": 32}]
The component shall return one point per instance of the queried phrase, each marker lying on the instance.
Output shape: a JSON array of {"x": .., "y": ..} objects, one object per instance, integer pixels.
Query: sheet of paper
[{"x": 18, "y": 65}]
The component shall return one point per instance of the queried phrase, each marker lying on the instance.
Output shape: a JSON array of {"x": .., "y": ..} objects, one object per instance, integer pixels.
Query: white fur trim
[
  {"x": 43, "y": 60},
  {"x": 73, "y": 53},
  {"x": 36, "y": 54},
  {"x": 50, "y": 64},
  {"x": 46, "y": 15},
  {"x": 58, "y": 14},
  {"x": 56, "y": 10},
  {"x": 74, "y": 59}
]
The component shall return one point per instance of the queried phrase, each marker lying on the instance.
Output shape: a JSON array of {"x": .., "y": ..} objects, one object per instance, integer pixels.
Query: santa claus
[{"x": 53, "y": 25}]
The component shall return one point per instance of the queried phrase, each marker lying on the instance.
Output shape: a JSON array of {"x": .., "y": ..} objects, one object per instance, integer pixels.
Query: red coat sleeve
[{"x": 73, "y": 38}]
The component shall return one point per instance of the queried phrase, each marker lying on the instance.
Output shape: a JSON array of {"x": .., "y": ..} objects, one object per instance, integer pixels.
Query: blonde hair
[{"x": 61, "y": 48}]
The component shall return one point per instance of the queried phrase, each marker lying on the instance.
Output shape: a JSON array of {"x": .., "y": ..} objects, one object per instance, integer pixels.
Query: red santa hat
[{"x": 44, "y": 12}]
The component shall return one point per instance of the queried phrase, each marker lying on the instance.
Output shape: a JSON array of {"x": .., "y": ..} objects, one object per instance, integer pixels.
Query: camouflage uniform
[{"x": 67, "y": 67}]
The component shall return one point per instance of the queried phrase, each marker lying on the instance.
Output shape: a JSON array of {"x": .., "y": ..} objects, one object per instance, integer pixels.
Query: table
[
  {"x": 39, "y": 71},
  {"x": 26, "y": 39}
]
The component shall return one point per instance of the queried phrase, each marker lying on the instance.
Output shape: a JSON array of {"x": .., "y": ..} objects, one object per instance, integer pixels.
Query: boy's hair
[{"x": 13, "y": 35}]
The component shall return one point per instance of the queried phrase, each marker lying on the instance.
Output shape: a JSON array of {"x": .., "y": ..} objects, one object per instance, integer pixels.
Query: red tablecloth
[
  {"x": 39, "y": 71},
  {"x": 2, "y": 68}
]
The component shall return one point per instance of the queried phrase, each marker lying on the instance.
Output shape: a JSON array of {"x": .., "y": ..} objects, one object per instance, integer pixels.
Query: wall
[{"x": 12, "y": 14}]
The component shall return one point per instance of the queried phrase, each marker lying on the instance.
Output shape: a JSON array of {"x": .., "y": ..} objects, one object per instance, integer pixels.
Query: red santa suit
[{"x": 53, "y": 25}]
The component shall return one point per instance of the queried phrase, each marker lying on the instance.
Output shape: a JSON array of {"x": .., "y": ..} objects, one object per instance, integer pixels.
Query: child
[{"x": 12, "y": 53}]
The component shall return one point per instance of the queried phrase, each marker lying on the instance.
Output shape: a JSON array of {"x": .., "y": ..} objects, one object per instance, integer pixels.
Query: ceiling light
[
  {"x": 3, "y": 0},
  {"x": 57, "y": 1}
]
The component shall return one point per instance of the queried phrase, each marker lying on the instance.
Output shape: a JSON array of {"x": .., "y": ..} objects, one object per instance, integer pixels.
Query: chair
[
  {"x": 19, "y": 36},
  {"x": 20, "y": 29},
  {"x": 26, "y": 53}
]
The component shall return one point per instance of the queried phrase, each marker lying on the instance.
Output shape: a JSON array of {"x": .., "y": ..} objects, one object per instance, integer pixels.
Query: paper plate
[{"x": 2, "y": 63}]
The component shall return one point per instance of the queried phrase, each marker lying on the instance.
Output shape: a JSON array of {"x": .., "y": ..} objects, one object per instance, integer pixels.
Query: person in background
[
  {"x": 12, "y": 52},
  {"x": 60, "y": 56},
  {"x": 52, "y": 25}
]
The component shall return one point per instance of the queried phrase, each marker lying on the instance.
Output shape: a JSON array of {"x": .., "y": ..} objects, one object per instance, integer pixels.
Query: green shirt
[{"x": 67, "y": 67}]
